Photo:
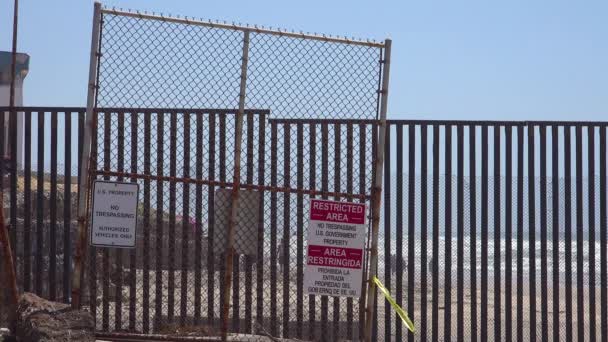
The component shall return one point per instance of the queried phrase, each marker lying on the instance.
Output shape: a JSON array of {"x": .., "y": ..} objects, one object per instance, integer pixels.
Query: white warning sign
[
  {"x": 114, "y": 216},
  {"x": 336, "y": 239}
]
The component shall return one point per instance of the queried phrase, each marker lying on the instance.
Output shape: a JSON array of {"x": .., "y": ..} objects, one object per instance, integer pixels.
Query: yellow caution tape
[{"x": 402, "y": 314}]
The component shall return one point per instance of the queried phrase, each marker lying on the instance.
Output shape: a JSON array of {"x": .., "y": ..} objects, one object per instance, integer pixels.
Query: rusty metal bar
[
  {"x": 349, "y": 189},
  {"x": 132, "y": 256},
  {"x": 147, "y": 224},
  {"x": 81, "y": 243},
  {"x": 300, "y": 231},
  {"x": 399, "y": 271},
  {"x": 248, "y": 258},
  {"x": 337, "y": 178},
  {"x": 211, "y": 233},
  {"x": 27, "y": 205},
  {"x": 172, "y": 208},
  {"x": 273, "y": 231},
  {"x": 235, "y": 190},
  {"x": 258, "y": 187},
  {"x": 261, "y": 224},
  {"x": 53, "y": 211},
  {"x": 185, "y": 224},
  {"x": 117, "y": 274},
  {"x": 592, "y": 227},
  {"x": 379, "y": 164},
  {"x": 312, "y": 179},
  {"x": 387, "y": 227},
  {"x": 286, "y": 225},
  {"x": 325, "y": 334},
  {"x": 198, "y": 236},
  {"x": 67, "y": 200},
  {"x": 160, "y": 229}
]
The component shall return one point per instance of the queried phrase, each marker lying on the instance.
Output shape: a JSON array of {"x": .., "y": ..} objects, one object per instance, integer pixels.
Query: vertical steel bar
[
  {"x": 53, "y": 209},
  {"x": 222, "y": 177},
  {"x": 379, "y": 164},
  {"x": 373, "y": 175},
  {"x": 423, "y": 232},
  {"x": 107, "y": 148},
  {"x": 186, "y": 223},
  {"x": 435, "y": 258},
  {"x": 27, "y": 205},
  {"x": 460, "y": 233},
  {"x": 555, "y": 192},
  {"x": 132, "y": 255},
  {"x": 300, "y": 231},
  {"x": 387, "y": 230},
  {"x": 603, "y": 239},
  {"x": 285, "y": 265},
  {"x": 146, "y": 225},
  {"x": 211, "y": 233},
  {"x": 198, "y": 224},
  {"x": 580, "y": 305},
  {"x": 172, "y": 209},
  {"x": 67, "y": 203},
  {"x": 497, "y": 236},
  {"x": 532, "y": 229},
  {"x": 117, "y": 273},
  {"x": 337, "y": 188},
  {"x": 236, "y": 182},
  {"x": 473, "y": 227},
  {"x": 312, "y": 185},
  {"x": 79, "y": 254},
  {"x": 591, "y": 206},
  {"x": 411, "y": 235},
  {"x": 543, "y": 234},
  {"x": 349, "y": 190},
  {"x": 399, "y": 231},
  {"x": 160, "y": 224},
  {"x": 362, "y": 190},
  {"x": 273, "y": 229},
  {"x": 325, "y": 334},
  {"x": 261, "y": 262},
  {"x": 248, "y": 258},
  {"x": 508, "y": 232},
  {"x": 80, "y": 142},
  {"x": 447, "y": 325},
  {"x": 40, "y": 207},
  {"x": 568, "y": 229},
  {"x": 484, "y": 233},
  {"x": 520, "y": 233}
]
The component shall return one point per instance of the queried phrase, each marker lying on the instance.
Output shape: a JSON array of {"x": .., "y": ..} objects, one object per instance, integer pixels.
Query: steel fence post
[
  {"x": 79, "y": 254},
  {"x": 235, "y": 187},
  {"x": 379, "y": 165}
]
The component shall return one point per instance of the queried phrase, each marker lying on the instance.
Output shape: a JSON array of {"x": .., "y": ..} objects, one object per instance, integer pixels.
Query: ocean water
[{"x": 478, "y": 247}]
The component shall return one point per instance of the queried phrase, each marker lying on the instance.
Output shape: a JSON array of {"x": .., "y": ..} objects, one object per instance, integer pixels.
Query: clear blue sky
[{"x": 458, "y": 60}]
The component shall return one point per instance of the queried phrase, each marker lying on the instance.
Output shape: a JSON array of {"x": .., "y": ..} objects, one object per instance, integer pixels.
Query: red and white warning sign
[{"x": 336, "y": 239}]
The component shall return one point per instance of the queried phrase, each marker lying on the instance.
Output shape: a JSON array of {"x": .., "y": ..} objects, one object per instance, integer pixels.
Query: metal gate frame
[{"x": 90, "y": 131}]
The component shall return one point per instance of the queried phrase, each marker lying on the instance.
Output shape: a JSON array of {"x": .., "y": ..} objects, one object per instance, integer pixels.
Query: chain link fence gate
[{"x": 173, "y": 90}]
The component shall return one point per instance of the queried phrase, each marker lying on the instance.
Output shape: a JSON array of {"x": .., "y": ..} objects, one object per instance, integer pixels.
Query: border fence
[{"x": 488, "y": 230}]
